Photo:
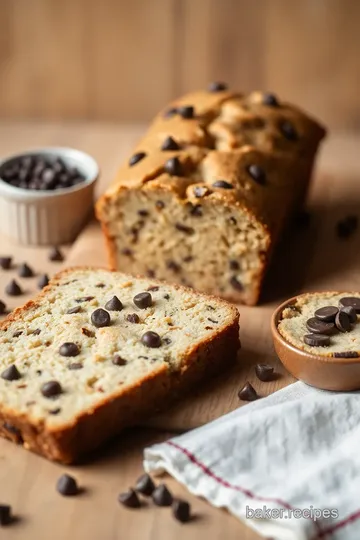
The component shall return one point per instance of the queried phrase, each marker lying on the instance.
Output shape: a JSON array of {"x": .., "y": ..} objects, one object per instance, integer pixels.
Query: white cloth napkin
[{"x": 296, "y": 450}]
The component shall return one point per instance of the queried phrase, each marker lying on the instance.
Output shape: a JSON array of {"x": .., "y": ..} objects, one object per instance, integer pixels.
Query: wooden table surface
[{"x": 313, "y": 259}]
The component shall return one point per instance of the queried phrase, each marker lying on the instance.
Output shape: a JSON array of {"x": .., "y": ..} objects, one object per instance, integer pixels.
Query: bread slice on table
[{"x": 73, "y": 377}]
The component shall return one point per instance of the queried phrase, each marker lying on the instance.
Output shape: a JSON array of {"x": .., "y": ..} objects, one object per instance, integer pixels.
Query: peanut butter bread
[
  {"x": 97, "y": 351},
  {"x": 326, "y": 324},
  {"x": 209, "y": 189}
]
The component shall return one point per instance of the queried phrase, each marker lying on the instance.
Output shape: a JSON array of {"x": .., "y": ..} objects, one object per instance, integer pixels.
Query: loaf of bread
[
  {"x": 97, "y": 351},
  {"x": 208, "y": 191}
]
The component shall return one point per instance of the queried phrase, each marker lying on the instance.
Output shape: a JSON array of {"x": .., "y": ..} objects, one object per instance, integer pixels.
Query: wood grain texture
[{"x": 122, "y": 60}]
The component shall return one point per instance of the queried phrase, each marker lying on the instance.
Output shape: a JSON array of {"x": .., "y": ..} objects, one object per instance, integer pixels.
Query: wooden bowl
[{"x": 324, "y": 372}]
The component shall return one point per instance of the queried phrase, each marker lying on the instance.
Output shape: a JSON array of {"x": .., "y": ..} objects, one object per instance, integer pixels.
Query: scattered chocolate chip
[
  {"x": 188, "y": 258},
  {"x": 167, "y": 341},
  {"x": 248, "y": 393},
  {"x": 217, "y": 86},
  {"x": 13, "y": 288},
  {"x": 67, "y": 485},
  {"x": 151, "y": 339},
  {"x": 347, "y": 226},
  {"x": 196, "y": 210},
  {"x": 100, "y": 318},
  {"x": 55, "y": 411},
  {"x": 87, "y": 332},
  {"x": 346, "y": 354},
  {"x": 257, "y": 174},
  {"x": 181, "y": 510},
  {"x": 11, "y": 373},
  {"x": 233, "y": 220},
  {"x": 317, "y": 340},
  {"x": 145, "y": 485},
  {"x": 36, "y": 332},
  {"x": 351, "y": 313},
  {"x": 143, "y": 300},
  {"x": 184, "y": 228},
  {"x": 84, "y": 299},
  {"x": 150, "y": 273},
  {"x": 316, "y": 326},
  {"x": 167, "y": 296},
  {"x": 234, "y": 265},
  {"x": 73, "y": 366},
  {"x": 133, "y": 318},
  {"x": 43, "y": 281},
  {"x": 114, "y": 304},
  {"x": 342, "y": 322},
  {"x": 264, "y": 372},
  {"x": 118, "y": 360},
  {"x": 327, "y": 313},
  {"x": 172, "y": 265},
  {"x": 129, "y": 499},
  {"x": 174, "y": 167},
  {"x": 5, "y": 262},
  {"x": 170, "y": 112},
  {"x": 270, "y": 100},
  {"x": 160, "y": 205},
  {"x": 170, "y": 144},
  {"x": 136, "y": 158},
  {"x": 5, "y": 514},
  {"x": 186, "y": 111},
  {"x": 223, "y": 184},
  {"x": 288, "y": 130},
  {"x": 17, "y": 334},
  {"x": 127, "y": 252},
  {"x": 25, "y": 271},
  {"x": 69, "y": 349},
  {"x": 162, "y": 496},
  {"x": 201, "y": 191},
  {"x": 236, "y": 284},
  {"x": 352, "y": 301},
  {"x": 75, "y": 309},
  {"x": 2, "y": 308},
  {"x": 55, "y": 255},
  {"x": 154, "y": 288},
  {"x": 51, "y": 389}
]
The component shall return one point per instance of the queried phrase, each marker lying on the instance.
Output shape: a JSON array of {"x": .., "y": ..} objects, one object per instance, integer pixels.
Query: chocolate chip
[
  {"x": 129, "y": 499},
  {"x": 169, "y": 144},
  {"x": 5, "y": 262},
  {"x": 73, "y": 366},
  {"x": 51, "y": 389},
  {"x": 67, "y": 485},
  {"x": 150, "y": 273},
  {"x": 217, "y": 86},
  {"x": 316, "y": 326},
  {"x": 100, "y": 285},
  {"x": 174, "y": 167},
  {"x": 188, "y": 258},
  {"x": 145, "y": 485},
  {"x": 236, "y": 283},
  {"x": 160, "y": 205},
  {"x": 170, "y": 112},
  {"x": 84, "y": 299},
  {"x": 234, "y": 265},
  {"x": 264, "y": 372},
  {"x": 248, "y": 393},
  {"x": 184, "y": 228},
  {"x": 36, "y": 332},
  {"x": 100, "y": 318},
  {"x": 196, "y": 210},
  {"x": 167, "y": 296},
  {"x": 347, "y": 226},
  {"x": 17, "y": 334},
  {"x": 11, "y": 373},
  {"x": 181, "y": 510},
  {"x": 162, "y": 496},
  {"x": 222, "y": 184},
  {"x": 346, "y": 354},
  {"x": 167, "y": 340},
  {"x": 317, "y": 340},
  {"x": 143, "y": 300},
  {"x": 75, "y": 309},
  {"x": 342, "y": 322},
  {"x": 69, "y": 349},
  {"x": 186, "y": 111},
  {"x": 172, "y": 265},
  {"x": 257, "y": 174},
  {"x": 5, "y": 514},
  {"x": 127, "y": 252},
  {"x": 352, "y": 301},
  {"x": 136, "y": 158},
  {"x": 87, "y": 332},
  {"x": 2, "y": 308},
  {"x": 25, "y": 271},
  {"x": 13, "y": 288},
  {"x": 133, "y": 318},
  {"x": 233, "y": 220},
  {"x": 55, "y": 411},
  {"x": 154, "y": 288},
  {"x": 56, "y": 255},
  {"x": 270, "y": 100},
  {"x": 351, "y": 313},
  {"x": 288, "y": 130},
  {"x": 114, "y": 304},
  {"x": 118, "y": 360},
  {"x": 201, "y": 191},
  {"x": 327, "y": 313},
  {"x": 151, "y": 339},
  {"x": 43, "y": 281}
]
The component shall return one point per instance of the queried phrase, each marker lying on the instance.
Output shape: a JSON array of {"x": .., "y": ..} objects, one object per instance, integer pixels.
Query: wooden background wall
[{"x": 122, "y": 59}]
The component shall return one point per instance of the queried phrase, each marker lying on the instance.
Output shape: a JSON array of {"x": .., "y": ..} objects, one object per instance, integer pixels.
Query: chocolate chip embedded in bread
[
  {"x": 162, "y": 496},
  {"x": 184, "y": 228},
  {"x": 317, "y": 340},
  {"x": 352, "y": 301},
  {"x": 136, "y": 158},
  {"x": 181, "y": 510},
  {"x": 186, "y": 111},
  {"x": 257, "y": 173},
  {"x": 43, "y": 281},
  {"x": 196, "y": 210},
  {"x": 67, "y": 485},
  {"x": 236, "y": 284},
  {"x": 248, "y": 393},
  {"x": 87, "y": 332},
  {"x": 217, "y": 86},
  {"x": 129, "y": 499},
  {"x": 169, "y": 144},
  {"x": 100, "y": 318},
  {"x": 84, "y": 299},
  {"x": 270, "y": 100},
  {"x": 160, "y": 205},
  {"x": 145, "y": 485},
  {"x": 288, "y": 130},
  {"x": 342, "y": 322},
  {"x": 234, "y": 265},
  {"x": 222, "y": 184},
  {"x": 73, "y": 366},
  {"x": 51, "y": 389},
  {"x": 133, "y": 318},
  {"x": 174, "y": 167},
  {"x": 264, "y": 372},
  {"x": 118, "y": 360},
  {"x": 2, "y": 308},
  {"x": 151, "y": 339},
  {"x": 351, "y": 312},
  {"x": 75, "y": 309},
  {"x": 143, "y": 300},
  {"x": 346, "y": 354},
  {"x": 55, "y": 255},
  {"x": 25, "y": 271},
  {"x": 326, "y": 313},
  {"x": 11, "y": 373},
  {"x": 114, "y": 304},
  {"x": 5, "y": 514},
  {"x": 5, "y": 263},
  {"x": 13, "y": 288},
  {"x": 172, "y": 265},
  {"x": 69, "y": 349},
  {"x": 316, "y": 326}
]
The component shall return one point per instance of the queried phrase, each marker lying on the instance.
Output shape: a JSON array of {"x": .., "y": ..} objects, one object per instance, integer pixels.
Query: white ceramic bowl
[{"x": 39, "y": 217}]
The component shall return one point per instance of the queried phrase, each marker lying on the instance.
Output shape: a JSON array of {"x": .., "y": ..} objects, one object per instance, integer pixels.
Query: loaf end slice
[{"x": 82, "y": 375}]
